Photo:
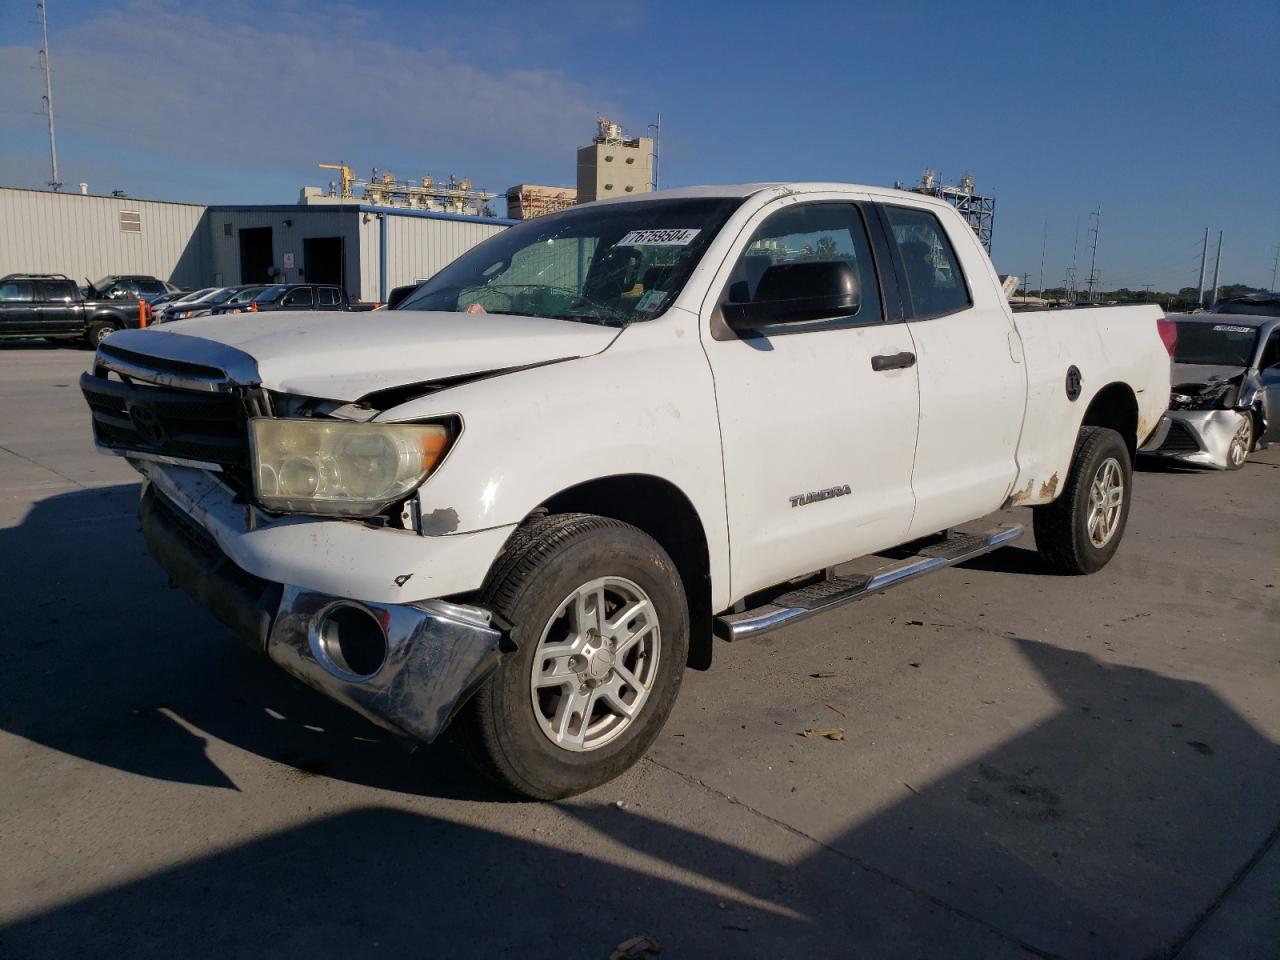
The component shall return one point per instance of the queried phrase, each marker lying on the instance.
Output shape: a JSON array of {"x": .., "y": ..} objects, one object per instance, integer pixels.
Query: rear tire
[
  {"x": 96, "y": 332},
  {"x": 584, "y": 694},
  {"x": 1080, "y": 531}
]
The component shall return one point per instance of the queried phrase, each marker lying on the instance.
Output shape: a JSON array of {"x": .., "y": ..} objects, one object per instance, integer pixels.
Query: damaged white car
[
  {"x": 526, "y": 499},
  {"x": 1225, "y": 400}
]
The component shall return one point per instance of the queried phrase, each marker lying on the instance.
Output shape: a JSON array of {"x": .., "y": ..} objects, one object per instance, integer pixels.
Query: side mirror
[
  {"x": 796, "y": 293},
  {"x": 398, "y": 294}
]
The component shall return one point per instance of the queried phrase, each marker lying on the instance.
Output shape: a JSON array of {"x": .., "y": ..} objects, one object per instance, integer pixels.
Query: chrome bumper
[{"x": 436, "y": 652}]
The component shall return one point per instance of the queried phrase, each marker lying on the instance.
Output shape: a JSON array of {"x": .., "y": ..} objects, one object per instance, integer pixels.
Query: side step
[{"x": 795, "y": 605}]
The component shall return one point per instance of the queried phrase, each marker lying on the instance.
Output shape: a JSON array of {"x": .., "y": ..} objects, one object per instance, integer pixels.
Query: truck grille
[{"x": 179, "y": 412}]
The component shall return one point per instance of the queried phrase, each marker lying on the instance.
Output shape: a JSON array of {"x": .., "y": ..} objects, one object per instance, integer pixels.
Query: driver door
[{"x": 818, "y": 419}]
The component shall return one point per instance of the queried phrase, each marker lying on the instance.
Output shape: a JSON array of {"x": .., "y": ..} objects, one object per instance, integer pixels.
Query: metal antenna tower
[
  {"x": 55, "y": 182},
  {"x": 657, "y": 147},
  {"x": 1072, "y": 289},
  {"x": 1096, "y": 229}
]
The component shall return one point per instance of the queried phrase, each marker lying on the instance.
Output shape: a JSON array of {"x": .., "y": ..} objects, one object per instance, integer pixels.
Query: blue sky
[{"x": 1167, "y": 116}]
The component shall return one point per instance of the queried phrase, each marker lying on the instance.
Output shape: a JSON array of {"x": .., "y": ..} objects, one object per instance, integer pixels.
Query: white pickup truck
[{"x": 526, "y": 499}]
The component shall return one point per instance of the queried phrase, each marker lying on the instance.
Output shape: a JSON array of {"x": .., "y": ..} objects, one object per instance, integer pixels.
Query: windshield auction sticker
[
  {"x": 1227, "y": 328},
  {"x": 658, "y": 238}
]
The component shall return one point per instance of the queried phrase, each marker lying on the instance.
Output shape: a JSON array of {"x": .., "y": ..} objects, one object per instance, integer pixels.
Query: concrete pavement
[{"x": 1032, "y": 765}]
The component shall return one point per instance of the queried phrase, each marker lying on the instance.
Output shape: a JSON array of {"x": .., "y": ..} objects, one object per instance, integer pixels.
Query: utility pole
[
  {"x": 55, "y": 182},
  {"x": 1071, "y": 271},
  {"x": 1043, "y": 244},
  {"x": 1213, "y": 294},
  {"x": 1204, "y": 252},
  {"x": 1146, "y": 292},
  {"x": 1096, "y": 229},
  {"x": 1274, "y": 264},
  {"x": 657, "y": 147}
]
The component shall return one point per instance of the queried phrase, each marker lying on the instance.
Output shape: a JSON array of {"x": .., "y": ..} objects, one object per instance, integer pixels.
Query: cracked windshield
[{"x": 612, "y": 264}]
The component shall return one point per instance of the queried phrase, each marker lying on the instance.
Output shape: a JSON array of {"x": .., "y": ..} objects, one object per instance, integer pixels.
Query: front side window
[
  {"x": 57, "y": 291},
  {"x": 812, "y": 233},
  {"x": 934, "y": 278},
  {"x": 16, "y": 290},
  {"x": 298, "y": 298},
  {"x": 613, "y": 264},
  {"x": 270, "y": 294},
  {"x": 1271, "y": 352}
]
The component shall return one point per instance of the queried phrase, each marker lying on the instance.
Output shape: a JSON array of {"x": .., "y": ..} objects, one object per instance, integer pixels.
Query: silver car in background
[{"x": 1225, "y": 400}]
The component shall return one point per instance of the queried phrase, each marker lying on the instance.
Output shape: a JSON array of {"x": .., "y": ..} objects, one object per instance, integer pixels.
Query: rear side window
[
  {"x": 151, "y": 288},
  {"x": 298, "y": 298},
  {"x": 327, "y": 296},
  {"x": 16, "y": 290},
  {"x": 934, "y": 279},
  {"x": 59, "y": 291}
]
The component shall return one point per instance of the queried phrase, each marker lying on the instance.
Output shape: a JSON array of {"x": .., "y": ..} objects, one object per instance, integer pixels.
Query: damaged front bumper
[
  {"x": 405, "y": 666},
  {"x": 1201, "y": 437}
]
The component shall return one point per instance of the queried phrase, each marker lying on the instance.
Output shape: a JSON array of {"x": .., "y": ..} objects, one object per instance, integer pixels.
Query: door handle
[{"x": 893, "y": 361}]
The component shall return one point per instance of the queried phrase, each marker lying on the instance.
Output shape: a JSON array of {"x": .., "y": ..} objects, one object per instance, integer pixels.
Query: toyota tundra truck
[{"x": 528, "y": 498}]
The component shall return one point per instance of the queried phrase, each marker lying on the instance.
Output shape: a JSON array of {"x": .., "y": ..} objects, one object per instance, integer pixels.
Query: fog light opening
[{"x": 351, "y": 640}]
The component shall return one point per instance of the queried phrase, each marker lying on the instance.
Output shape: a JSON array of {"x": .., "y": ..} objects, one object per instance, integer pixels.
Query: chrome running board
[{"x": 796, "y": 605}]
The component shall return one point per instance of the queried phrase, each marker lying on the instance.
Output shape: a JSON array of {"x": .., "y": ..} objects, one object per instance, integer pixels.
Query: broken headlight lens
[{"x": 340, "y": 467}]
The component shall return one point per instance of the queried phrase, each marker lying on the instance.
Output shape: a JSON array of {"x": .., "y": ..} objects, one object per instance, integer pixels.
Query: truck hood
[{"x": 344, "y": 356}]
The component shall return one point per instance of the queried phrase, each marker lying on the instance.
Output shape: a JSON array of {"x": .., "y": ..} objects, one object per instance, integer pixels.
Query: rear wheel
[
  {"x": 1241, "y": 443},
  {"x": 601, "y": 626},
  {"x": 96, "y": 332},
  {"x": 1081, "y": 530}
]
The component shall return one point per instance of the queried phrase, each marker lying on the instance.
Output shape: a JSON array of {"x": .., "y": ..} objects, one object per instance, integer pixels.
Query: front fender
[{"x": 644, "y": 406}]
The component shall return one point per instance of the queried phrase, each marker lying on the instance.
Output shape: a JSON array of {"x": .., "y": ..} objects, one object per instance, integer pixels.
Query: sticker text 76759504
[{"x": 676, "y": 237}]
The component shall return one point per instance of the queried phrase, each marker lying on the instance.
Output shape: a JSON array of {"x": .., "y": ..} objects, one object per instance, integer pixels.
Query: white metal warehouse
[{"x": 365, "y": 248}]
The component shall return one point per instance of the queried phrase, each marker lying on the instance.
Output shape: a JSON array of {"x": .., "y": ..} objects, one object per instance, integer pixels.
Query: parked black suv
[{"x": 51, "y": 305}]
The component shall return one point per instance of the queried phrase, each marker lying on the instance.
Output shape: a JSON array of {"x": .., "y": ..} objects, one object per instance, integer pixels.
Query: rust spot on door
[{"x": 1049, "y": 488}]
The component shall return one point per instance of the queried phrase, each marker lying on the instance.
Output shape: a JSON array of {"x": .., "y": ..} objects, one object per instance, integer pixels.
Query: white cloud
[{"x": 227, "y": 84}]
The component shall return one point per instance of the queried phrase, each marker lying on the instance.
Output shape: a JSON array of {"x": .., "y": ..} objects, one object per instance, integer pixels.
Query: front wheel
[
  {"x": 1241, "y": 443},
  {"x": 601, "y": 628},
  {"x": 1081, "y": 530}
]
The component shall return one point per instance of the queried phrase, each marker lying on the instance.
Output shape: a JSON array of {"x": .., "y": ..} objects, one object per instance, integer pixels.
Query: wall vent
[{"x": 130, "y": 221}]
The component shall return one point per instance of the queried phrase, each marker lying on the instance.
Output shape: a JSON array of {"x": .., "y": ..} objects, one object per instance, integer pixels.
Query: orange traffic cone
[
  {"x": 253, "y": 306},
  {"x": 144, "y": 313}
]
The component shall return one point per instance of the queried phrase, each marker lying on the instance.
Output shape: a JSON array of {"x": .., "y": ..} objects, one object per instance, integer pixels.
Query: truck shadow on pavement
[
  {"x": 1112, "y": 828},
  {"x": 135, "y": 675}
]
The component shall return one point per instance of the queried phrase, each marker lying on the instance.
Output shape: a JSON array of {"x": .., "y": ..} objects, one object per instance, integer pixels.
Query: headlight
[{"x": 339, "y": 467}]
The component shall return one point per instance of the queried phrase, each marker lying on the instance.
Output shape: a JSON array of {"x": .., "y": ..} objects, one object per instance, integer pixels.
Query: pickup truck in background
[
  {"x": 528, "y": 497},
  {"x": 51, "y": 306}
]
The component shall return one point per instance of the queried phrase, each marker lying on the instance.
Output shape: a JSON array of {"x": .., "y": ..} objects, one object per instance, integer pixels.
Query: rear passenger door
[
  {"x": 972, "y": 380},
  {"x": 56, "y": 307},
  {"x": 300, "y": 298},
  {"x": 17, "y": 307}
]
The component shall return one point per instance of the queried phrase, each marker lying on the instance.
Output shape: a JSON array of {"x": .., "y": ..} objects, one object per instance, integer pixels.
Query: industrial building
[
  {"x": 368, "y": 249},
  {"x": 613, "y": 165}
]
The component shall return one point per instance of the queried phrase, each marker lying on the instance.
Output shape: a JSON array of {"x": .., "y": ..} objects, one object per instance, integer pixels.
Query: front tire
[
  {"x": 1080, "y": 531},
  {"x": 1241, "y": 443},
  {"x": 601, "y": 628}
]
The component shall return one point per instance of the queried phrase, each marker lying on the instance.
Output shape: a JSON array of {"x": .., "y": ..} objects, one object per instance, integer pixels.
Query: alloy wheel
[
  {"x": 596, "y": 663},
  {"x": 1106, "y": 502}
]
